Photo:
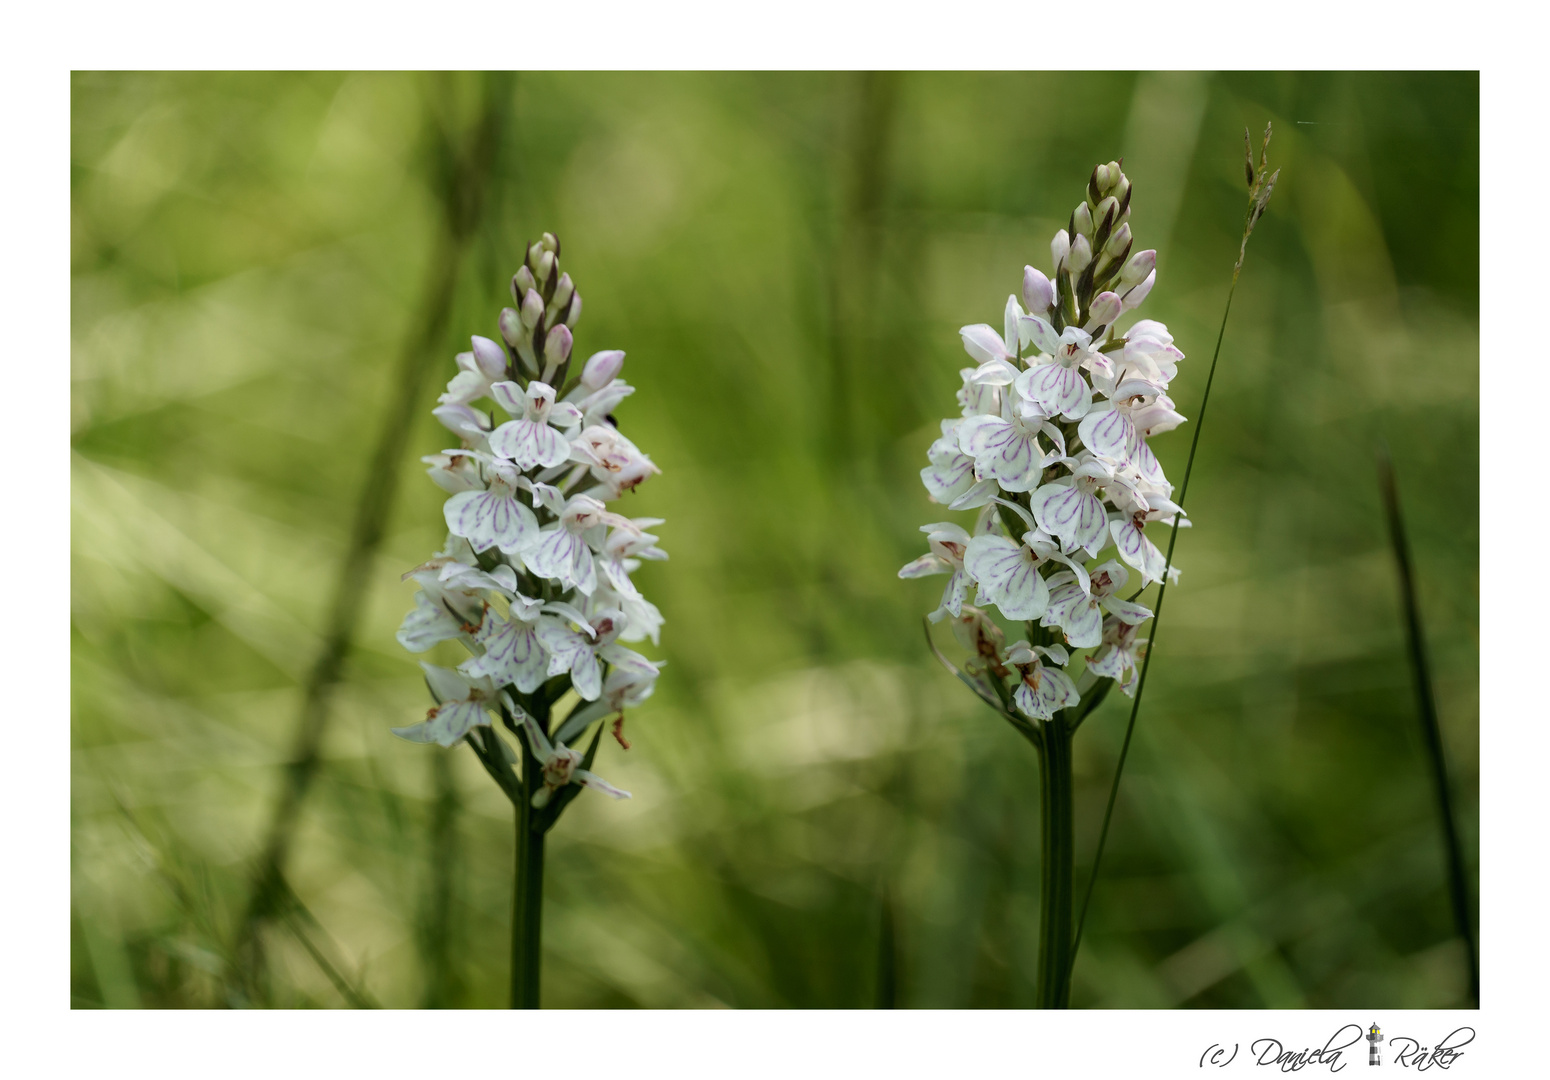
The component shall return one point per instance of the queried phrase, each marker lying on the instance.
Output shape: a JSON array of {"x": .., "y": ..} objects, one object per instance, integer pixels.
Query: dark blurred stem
[
  {"x": 527, "y": 894},
  {"x": 887, "y": 995},
  {"x": 1420, "y": 668},
  {"x": 853, "y": 262},
  {"x": 463, "y": 165},
  {"x": 1052, "y": 990},
  {"x": 440, "y": 989}
]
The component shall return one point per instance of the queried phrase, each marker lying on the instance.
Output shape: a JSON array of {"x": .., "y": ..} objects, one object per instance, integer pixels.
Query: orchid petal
[
  {"x": 597, "y": 783},
  {"x": 1034, "y": 329},
  {"x": 1074, "y": 515},
  {"x": 1139, "y": 551},
  {"x": 1109, "y": 434},
  {"x": 1008, "y": 576},
  {"x": 1056, "y": 388},
  {"x": 983, "y": 343}
]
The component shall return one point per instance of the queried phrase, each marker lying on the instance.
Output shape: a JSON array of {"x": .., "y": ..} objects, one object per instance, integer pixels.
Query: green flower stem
[
  {"x": 527, "y": 897},
  {"x": 1053, "y": 989},
  {"x": 527, "y": 894}
]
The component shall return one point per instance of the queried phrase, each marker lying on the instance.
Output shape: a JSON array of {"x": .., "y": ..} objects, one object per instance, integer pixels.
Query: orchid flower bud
[
  {"x": 1102, "y": 180},
  {"x": 562, "y": 292},
  {"x": 1119, "y": 240},
  {"x": 1038, "y": 292},
  {"x": 575, "y": 311},
  {"x": 1109, "y": 206},
  {"x": 1122, "y": 191},
  {"x": 1105, "y": 308},
  {"x": 511, "y": 326},
  {"x": 1060, "y": 248},
  {"x": 532, "y": 308},
  {"x": 490, "y": 357},
  {"x": 1134, "y": 297},
  {"x": 1140, "y": 265},
  {"x": 521, "y": 282},
  {"x": 535, "y": 251},
  {"x": 549, "y": 243},
  {"x": 557, "y": 345},
  {"x": 602, "y": 368},
  {"x": 1083, "y": 221},
  {"x": 543, "y": 270},
  {"x": 1081, "y": 255}
]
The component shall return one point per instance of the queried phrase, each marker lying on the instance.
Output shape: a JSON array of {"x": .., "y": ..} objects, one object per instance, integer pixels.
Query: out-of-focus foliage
[{"x": 786, "y": 259}]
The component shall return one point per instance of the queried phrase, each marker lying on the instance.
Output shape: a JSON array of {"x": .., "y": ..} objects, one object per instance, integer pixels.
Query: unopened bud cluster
[
  {"x": 534, "y": 580},
  {"x": 1051, "y": 448}
]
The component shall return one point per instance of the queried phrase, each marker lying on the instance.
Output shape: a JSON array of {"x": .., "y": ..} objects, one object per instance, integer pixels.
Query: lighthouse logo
[{"x": 1374, "y": 1037}]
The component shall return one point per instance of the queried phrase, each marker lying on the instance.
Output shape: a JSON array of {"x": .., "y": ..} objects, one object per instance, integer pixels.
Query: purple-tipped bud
[
  {"x": 1119, "y": 241},
  {"x": 1081, "y": 254},
  {"x": 575, "y": 311},
  {"x": 490, "y": 357},
  {"x": 532, "y": 308},
  {"x": 1060, "y": 249},
  {"x": 1084, "y": 222},
  {"x": 602, "y": 368},
  {"x": 1134, "y": 297},
  {"x": 535, "y": 251},
  {"x": 563, "y": 291},
  {"x": 549, "y": 243},
  {"x": 1140, "y": 265},
  {"x": 511, "y": 326},
  {"x": 1038, "y": 293},
  {"x": 557, "y": 345},
  {"x": 1104, "y": 309},
  {"x": 521, "y": 282}
]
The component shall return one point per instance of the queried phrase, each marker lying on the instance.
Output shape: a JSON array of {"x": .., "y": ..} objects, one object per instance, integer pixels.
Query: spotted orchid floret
[
  {"x": 561, "y": 766},
  {"x": 532, "y": 439},
  {"x": 1052, "y": 446},
  {"x": 1042, "y": 688},
  {"x": 461, "y": 705},
  {"x": 495, "y": 516},
  {"x": 949, "y": 543},
  {"x": 613, "y": 460},
  {"x": 1120, "y": 654},
  {"x": 1075, "y": 602},
  {"x": 564, "y": 550},
  {"x": 538, "y": 584}
]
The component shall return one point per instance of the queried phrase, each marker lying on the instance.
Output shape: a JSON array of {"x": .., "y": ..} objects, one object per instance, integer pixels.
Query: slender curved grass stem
[
  {"x": 1420, "y": 667},
  {"x": 1259, "y": 195}
]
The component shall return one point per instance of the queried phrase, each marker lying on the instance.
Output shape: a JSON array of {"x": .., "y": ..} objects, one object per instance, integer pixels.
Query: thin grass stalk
[
  {"x": 1260, "y": 187},
  {"x": 1420, "y": 668},
  {"x": 463, "y": 171}
]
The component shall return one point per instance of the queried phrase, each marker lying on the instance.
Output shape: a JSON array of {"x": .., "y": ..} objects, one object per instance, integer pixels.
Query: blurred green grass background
[{"x": 822, "y": 816}]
